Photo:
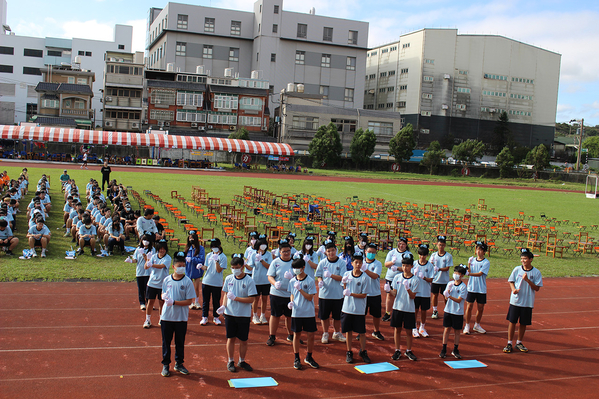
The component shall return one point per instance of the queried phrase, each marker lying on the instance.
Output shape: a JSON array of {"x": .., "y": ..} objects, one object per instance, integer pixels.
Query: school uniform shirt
[
  {"x": 67, "y": 208},
  {"x": 403, "y": 302},
  {"x": 390, "y": 275},
  {"x": 424, "y": 287},
  {"x": 456, "y": 291},
  {"x": 107, "y": 223},
  {"x": 357, "y": 285},
  {"x": 145, "y": 226},
  {"x": 44, "y": 231},
  {"x": 441, "y": 277},
  {"x": 6, "y": 233},
  {"x": 332, "y": 289},
  {"x": 322, "y": 252},
  {"x": 211, "y": 276},
  {"x": 248, "y": 252},
  {"x": 526, "y": 296},
  {"x": 84, "y": 230},
  {"x": 116, "y": 230},
  {"x": 277, "y": 269},
  {"x": 140, "y": 270},
  {"x": 178, "y": 290},
  {"x": 242, "y": 287},
  {"x": 259, "y": 272},
  {"x": 301, "y": 306},
  {"x": 374, "y": 284},
  {"x": 313, "y": 258},
  {"x": 157, "y": 276},
  {"x": 478, "y": 284},
  {"x": 275, "y": 252},
  {"x": 191, "y": 266}
]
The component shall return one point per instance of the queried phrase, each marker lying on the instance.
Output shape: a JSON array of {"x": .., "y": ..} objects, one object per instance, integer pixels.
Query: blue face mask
[{"x": 370, "y": 256}]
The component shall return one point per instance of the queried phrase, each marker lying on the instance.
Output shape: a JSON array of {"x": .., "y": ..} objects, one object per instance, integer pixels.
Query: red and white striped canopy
[{"x": 80, "y": 136}]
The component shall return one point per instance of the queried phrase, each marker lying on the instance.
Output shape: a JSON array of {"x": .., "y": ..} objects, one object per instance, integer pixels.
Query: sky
[{"x": 554, "y": 25}]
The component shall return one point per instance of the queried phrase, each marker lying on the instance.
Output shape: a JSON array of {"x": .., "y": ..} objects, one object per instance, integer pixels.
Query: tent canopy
[{"x": 96, "y": 137}]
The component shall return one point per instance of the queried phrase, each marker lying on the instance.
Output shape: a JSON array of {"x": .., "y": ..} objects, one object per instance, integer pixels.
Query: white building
[
  {"x": 327, "y": 55},
  {"x": 445, "y": 83}
]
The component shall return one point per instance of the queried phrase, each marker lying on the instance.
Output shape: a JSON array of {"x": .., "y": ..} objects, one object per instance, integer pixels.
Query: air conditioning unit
[
  {"x": 210, "y": 127},
  {"x": 194, "y": 124},
  {"x": 108, "y": 98},
  {"x": 108, "y": 123},
  {"x": 202, "y": 128},
  {"x": 492, "y": 110},
  {"x": 447, "y": 76},
  {"x": 232, "y": 128},
  {"x": 264, "y": 129},
  {"x": 167, "y": 124},
  {"x": 135, "y": 125},
  {"x": 444, "y": 106}
]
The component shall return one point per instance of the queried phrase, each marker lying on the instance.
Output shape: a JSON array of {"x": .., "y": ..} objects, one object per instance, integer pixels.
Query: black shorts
[
  {"x": 307, "y": 324},
  {"x": 153, "y": 293},
  {"x": 37, "y": 243},
  {"x": 237, "y": 327},
  {"x": 438, "y": 288},
  {"x": 474, "y": 296},
  {"x": 520, "y": 314},
  {"x": 329, "y": 307},
  {"x": 454, "y": 321},
  {"x": 263, "y": 289},
  {"x": 373, "y": 304},
  {"x": 405, "y": 319},
  {"x": 353, "y": 322},
  {"x": 422, "y": 303},
  {"x": 278, "y": 306}
]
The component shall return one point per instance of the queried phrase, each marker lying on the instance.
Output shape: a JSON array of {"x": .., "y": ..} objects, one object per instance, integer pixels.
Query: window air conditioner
[
  {"x": 167, "y": 124},
  {"x": 231, "y": 128},
  {"x": 194, "y": 124}
]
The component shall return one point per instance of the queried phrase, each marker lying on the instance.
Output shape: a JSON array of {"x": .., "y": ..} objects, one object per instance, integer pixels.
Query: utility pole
[{"x": 580, "y": 144}]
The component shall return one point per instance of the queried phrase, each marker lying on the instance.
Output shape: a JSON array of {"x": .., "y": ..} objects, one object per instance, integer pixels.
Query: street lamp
[{"x": 579, "y": 141}]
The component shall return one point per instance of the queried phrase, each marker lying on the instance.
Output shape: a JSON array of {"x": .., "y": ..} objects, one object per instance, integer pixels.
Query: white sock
[
  {"x": 518, "y": 342},
  {"x": 43, "y": 250},
  {"x": 230, "y": 360},
  {"x": 68, "y": 231},
  {"x": 421, "y": 325},
  {"x": 434, "y": 308},
  {"x": 256, "y": 315},
  {"x": 148, "y": 317},
  {"x": 263, "y": 315},
  {"x": 509, "y": 342},
  {"x": 241, "y": 359}
]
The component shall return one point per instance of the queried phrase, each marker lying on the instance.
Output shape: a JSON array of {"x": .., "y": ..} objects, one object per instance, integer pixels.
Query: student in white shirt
[
  {"x": 453, "y": 315},
  {"x": 478, "y": 269}
]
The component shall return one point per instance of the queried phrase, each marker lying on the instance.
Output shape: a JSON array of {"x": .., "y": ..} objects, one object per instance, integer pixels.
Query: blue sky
[{"x": 569, "y": 28}]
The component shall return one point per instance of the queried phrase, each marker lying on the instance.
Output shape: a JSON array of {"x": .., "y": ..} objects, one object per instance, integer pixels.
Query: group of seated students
[
  {"x": 12, "y": 191},
  {"x": 284, "y": 168}
]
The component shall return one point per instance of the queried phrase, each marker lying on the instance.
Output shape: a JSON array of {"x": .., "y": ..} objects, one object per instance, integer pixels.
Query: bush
[
  {"x": 456, "y": 172},
  {"x": 402, "y": 145}
]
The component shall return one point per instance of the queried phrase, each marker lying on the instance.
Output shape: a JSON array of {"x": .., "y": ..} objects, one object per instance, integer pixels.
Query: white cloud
[
  {"x": 91, "y": 29},
  {"x": 139, "y": 34}
]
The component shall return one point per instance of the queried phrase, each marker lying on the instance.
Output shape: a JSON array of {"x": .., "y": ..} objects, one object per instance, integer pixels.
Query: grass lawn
[{"x": 560, "y": 205}]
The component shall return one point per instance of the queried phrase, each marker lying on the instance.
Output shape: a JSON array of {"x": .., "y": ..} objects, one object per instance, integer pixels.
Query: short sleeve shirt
[
  {"x": 7, "y": 232},
  {"x": 526, "y": 296},
  {"x": 140, "y": 270},
  {"x": 242, "y": 287},
  {"x": 398, "y": 256},
  {"x": 43, "y": 231},
  {"x": 84, "y": 230},
  {"x": 403, "y": 302},
  {"x": 478, "y": 284},
  {"x": 332, "y": 288},
  {"x": 277, "y": 269},
  {"x": 157, "y": 275},
  {"x": 178, "y": 290},
  {"x": 424, "y": 287},
  {"x": 441, "y": 277},
  {"x": 301, "y": 306},
  {"x": 259, "y": 271},
  {"x": 374, "y": 284},
  {"x": 356, "y": 285},
  {"x": 456, "y": 291},
  {"x": 211, "y": 276}
]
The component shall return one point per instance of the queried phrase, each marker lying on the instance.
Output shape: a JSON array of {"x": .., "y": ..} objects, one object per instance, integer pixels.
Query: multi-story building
[
  {"x": 445, "y": 83},
  {"x": 327, "y": 55},
  {"x": 123, "y": 91},
  {"x": 65, "y": 97}
]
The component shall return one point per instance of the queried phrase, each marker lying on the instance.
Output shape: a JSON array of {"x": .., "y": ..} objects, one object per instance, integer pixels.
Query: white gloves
[
  {"x": 446, "y": 293},
  {"x": 128, "y": 260},
  {"x": 278, "y": 285},
  {"x": 220, "y": 310},
  {"x": 344, "y": 279},
  {"x": 436, "y": 269},
  {"x": 169, "y": 301},
  {"x": 346, "y": 292},
  {"x": 406, "y": 284},
  {"x": 394, "y": 259},
  {"x": 364, "y": 267},
  {"x": 288, "y": 275},
  {"x": 387, "y": 287},
  {"x": 298, "y": 285},
  {"x": 421, "y": 275},
  {"x": 394, "y": 268},
  {"x": 320, "y": 284},
  {"x": 199, "y": 266},
  {"x": 327, "y": 274},
  {"x": 258, "y": 258},
  {"x": 306, "y": 258},
  {"x": 290, "y": 305},
  {"x": 231, "y": 296},
  {"x": 415, "y": 270},
  {"x": 188, "y": 259}
]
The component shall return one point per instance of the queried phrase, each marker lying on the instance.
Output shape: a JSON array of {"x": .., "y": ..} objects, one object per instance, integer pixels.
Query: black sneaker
[
  {"x": 165, "y": 371},
  {"x": 231, "y": 367},
  {"x": 443, "y": 354},
  {"x": 297, "y": 364},
  {"x": 271, "y": 340},
  {"x": 386, "y": 317},
  {"x": 456, "y": 353},
  {"x": 396, "y": 355},
  {"x": 364, "y": 355},
  {"x": 521, "y": 347},
  {"x": 508, "y": 348},
  {"x": 93, "y": 252},
  {"x": 410, "y": 355},
  {"x": 435, "y": 315},
  {"x": 311, "y": 362},
  {"x": 9, "y": 252},
  {"x": 349, "y": 357},
  {"x": 80, "y": 252},
  {"x": 290, "y": 337},
  {"x": 181, "y": 369},
  {"x": 378, "y": 335},
  {"x": 245, "y": 366}
]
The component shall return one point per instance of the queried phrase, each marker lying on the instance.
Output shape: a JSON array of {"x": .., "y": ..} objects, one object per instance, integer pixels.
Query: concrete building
[
  {"x": 22, "y": 59},
  {"x": 123, "y": 91},
  {"x": 445, "y": 83},
  {"x": 327, "y": 55}
]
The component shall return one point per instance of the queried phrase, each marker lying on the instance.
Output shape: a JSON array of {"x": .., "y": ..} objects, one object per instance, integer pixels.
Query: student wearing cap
[
  {"x": 142, "y": 254},
  {"x": 353, "y": 313},
  {"x": 393, "y": 263},
  {"x": 158, "y": 265},
  {"x": 373, "y": 269},
  {"x": 309, "y": 255},
  {"x": 348, "y": 252},
  {"x": 240, "y": 291},
  {"x": 403, "y": 288},
  {"x": 195, "y": 256},
  {"x": 330, "y": 294},
  {"x": 478, "y": 270},
  {"x": 177, "y": 293},
  {"x": 423, "y": 270},
  {"x": 525, "y": 281},
  {"x": 7, "y": 239},
  {"x": 212, "y": 284},
  {"x": 303, "y": 318},
  {"x": 279, "y": 273},
  {"x": 39, "y": 236},
  {"x": 259, "y": 261},
  {"x": 441, "y": 262},
  {"x": 453, "y": 316}
]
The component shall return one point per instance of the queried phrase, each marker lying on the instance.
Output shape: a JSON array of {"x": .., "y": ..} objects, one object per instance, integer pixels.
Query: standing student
[
  {"x": 84, "y": 159},
  {"x": 303, "y": 317},
  {"x": 279, "y": 273},
  {"x": 353, "y": 313},
  {"x": 259, "y": 260},
  {"x": 453, "y": 315},
  {"x": 309, "y": 255},
  {"x": 373, "y": 269},
  {"x": 525, "y": 281},
  {"x": 362, "y": 243},
  {"x": 441, "y": 262},
  {"x": 393, "y": 263},
  {"x": 177, "y": 295},
  {"x": 252, "y": 238},
  {"x": 423, "y": 270},
  {"x": 403, "y": 287},
  {"x": 158, "y": 265},
  {"x": 212, "y": 284},
  {"x": 348, "y": 252},
  {"x": 195, "y": 257},
  {"x": 478, "y": 269},
  {"x": 105, "y": 173},
  {"x": 240, "y": 291},
  {"x": 142, "y": 254}
]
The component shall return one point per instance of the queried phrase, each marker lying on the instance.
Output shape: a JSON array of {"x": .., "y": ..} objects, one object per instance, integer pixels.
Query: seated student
[
  {"x": 7, "y": 240},
  {"x": 64, "y": 178},
  {"x": 68, "y": 206},
  {"x": 116, "y": 235},
  {"x": 8, "y": 216},
  {"x": 453, "y": 316},
  {"x": 87, "y": 235},
  {"x": 77, "y": 220},
  {"x": 39, "y": 236}
]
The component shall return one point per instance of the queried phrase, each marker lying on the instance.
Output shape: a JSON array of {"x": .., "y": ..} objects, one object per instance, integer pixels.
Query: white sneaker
[
  {"x": 192, "y": 306},
  {"x": 142, "y": 307},
  {"x": 43, "y": 253},
  {"x": 263, "y": 320},
  {"x": 147, "y": 324},
  {"x": 337, "y": 336},
  {"x": 204, "y": 321},
  {"x": 33, "y": 253},
  {"x": 415, "y": 333},
  {"x": 217, "y": 321},
  {"x": 467, "y": 329},
  {"x": 478, "y": 329},
  {"x": 325, "y": 338},
  {"x": 256, "y": 320},
  {"x": 422, "y": 332}
]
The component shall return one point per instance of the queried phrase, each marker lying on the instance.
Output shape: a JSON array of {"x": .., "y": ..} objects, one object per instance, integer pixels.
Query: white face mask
[
  {"x": 252, "y": 242},
  {"x": 180, "y": 270},
  {"x": 456, "y": 276},
  {"x": 297, "y": 271},
  {"x": 215, "y": 250},
  {"x": 263, "y": 247},
  {"x": 308, "y": 247},
  {"x": 145, "y": 243},
  {"x": 237, "y": 272}
]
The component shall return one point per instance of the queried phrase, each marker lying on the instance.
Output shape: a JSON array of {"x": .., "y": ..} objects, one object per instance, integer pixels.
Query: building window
[
  {"x": 381, "y": 128},
  {"x": 389, "y": 105},
  {"x": 208, "y": 24},
  {"x": 181, "y": 21},
  {"x": 352, "y": 37},
  {"x": 390, "y": 88},
  {"x": 190, "y": 98},
  {"x": 327, "y": 34},
  {"x": 31, "y": 71},
  {"x": 391, "y": 73},
  {"x": 428, "y": 61},
  {"x": 50, "y": 104},
  {"x": 33, "y": 53},
  {"x": 81, "y": 81},
  {"x": 121, "y": 46},
  {"x": 302, "y": 31},
  {"x": 404, "y": 70},
  {"x": 380, "y": 106},
  {"x": 81, "y": 52},
  {"x": 71, "y": 79},
  {"x": 520, "y": 97},
  {"x": 162, "y": 97},
  {"x": 351, "y": 64},
  {"x": 345, "y": 125},
  {"x": 159, "y": 115},
  {"x": 236, "y": 28},
  {"x": 273, "y": 57},
  {"x": 463, "y": 72},
  {"x": 233, "y": 54},
  {"x": 259, "y": 26},
  {"x": 275, "y": 28},
  {"x": 305, "y": 123},
  {"x": 300, "y": 57},
  {"x": 369, "y": 106},
  {"x": 403, "y": 87},
  {"x": 325, "y": 61},
  {"x": 88, "y": 53},
  {"x": 428, "y": 78},
  {"x": 257, "y": 56},
  {"x": 463, "y": 90},
  {"x": 276, "y": 9},
  {"x": 493, "y": 93},
  {"x": 523, "y": 80},
  {"x": 405, "y": 45},
  {"x": 225, "y": 102},
  {"x": 207, "y": 51},
  {"x": 372, "y": 76},
  {"x": 427, "y": 96},
  {"x": 54, "y": 53},
  {"x": 385, "y": 50},
  {"x": 373, "y": 53},
  {"x": 461, "y": 107},
  {"x": 180, "y": 48},
  {"x": 425, "y": 113},
  {"x": 495, "y": 77},
  {"x": 401, "y": 104},
  {"x": 7, "y": 50},
  {"x": 349, "y": 94},
  {"x": 383, "y": 74},
  {"x": 324, "y": 91},
  {"x": 382, "y": 90}
]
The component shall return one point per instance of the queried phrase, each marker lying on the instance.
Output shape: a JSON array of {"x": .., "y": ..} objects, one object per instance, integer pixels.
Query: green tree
[
  {"x": 468, "y": 151},
  {"x": 592, "y": 144},
  {"x": 432, "y": 157},
  {"x": 502, "y": 134},
  {"x": 362, "y": 147},
  {"x": 241, "y": 134},
  {"x": 325, "y": 148},
  {"x": 538, "y": 157},
  {"x": 402, "y": 145},
  {"x": 505, "y": 161}
]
